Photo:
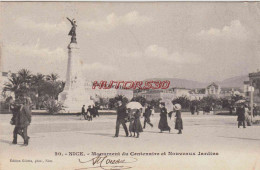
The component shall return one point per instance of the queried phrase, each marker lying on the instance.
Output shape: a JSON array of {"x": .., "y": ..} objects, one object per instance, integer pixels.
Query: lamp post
[{"x": 251, "y": 90}]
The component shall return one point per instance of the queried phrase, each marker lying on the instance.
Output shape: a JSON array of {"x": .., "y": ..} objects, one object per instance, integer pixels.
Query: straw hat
[{"x": 177, "y": 106}]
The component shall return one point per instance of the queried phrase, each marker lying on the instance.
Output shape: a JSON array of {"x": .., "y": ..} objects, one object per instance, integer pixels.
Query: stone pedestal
[{"x": 74, "y": 95}]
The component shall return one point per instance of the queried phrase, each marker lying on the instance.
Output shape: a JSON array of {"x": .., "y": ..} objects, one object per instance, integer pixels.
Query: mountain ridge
[{"x": 232, "y": 82}]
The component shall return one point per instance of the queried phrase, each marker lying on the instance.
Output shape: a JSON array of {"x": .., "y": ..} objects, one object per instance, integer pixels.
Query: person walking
[
  {"x": 147, "y": 115},
  {"x": 247, "y": 115},
  {"x": 131, "y": 122},
  {"x": 21, "y": 119},
  {"x": 82, "y": 112},
  {"x": 96, "y": 110},
  {"x": 121, "y": 118},
  {"x": 241, "y": 116},
  {"x": 89, "y": 113},
  {"x": 178, "y": 120},
  {"x": 163, "y": 124},
  {"x": 192, "y": 109}
]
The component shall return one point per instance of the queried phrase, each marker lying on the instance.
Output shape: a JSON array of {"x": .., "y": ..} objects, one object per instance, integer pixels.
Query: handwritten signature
[{"x": 106, "y": 163}]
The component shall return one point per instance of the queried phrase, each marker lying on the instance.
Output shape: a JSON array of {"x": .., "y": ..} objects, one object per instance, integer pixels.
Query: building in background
[
  {"x": 213, "y": 90},
  {"x": 97, "y": 93},
  {"x": 254, "y": 80}
]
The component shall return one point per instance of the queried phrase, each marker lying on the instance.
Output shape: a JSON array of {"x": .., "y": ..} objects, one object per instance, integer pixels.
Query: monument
[{"x": 74, "y": 94}]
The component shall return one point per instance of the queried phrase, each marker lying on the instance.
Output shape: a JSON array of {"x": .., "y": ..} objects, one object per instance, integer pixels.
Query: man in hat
[
  {"x": 121, "y": 118},
  {"x": 21, "y": 119}
]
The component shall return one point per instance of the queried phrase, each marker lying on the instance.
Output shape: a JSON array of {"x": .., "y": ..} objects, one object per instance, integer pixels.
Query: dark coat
[
  {"x": 148, "y": 112},
  {"x": 163, "y": 124},
  {"x": 241, "y": 114},
  {"x": 83, "y": 110},
  {"x": 22, "y": 117},
  {"x": 178, "y": 122},
  {"x": 90, "y": 110},
  {"x": 121, "y": 112},
  {"x": 15, "y": 110}
]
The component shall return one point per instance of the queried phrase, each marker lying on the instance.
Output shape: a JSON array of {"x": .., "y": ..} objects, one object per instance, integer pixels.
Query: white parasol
[
  {"x": 240, "y": 101},
  {"x": 134, "y": 105}
]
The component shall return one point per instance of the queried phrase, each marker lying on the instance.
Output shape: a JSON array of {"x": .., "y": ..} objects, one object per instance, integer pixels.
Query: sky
[{"x": 201, "y": 41}]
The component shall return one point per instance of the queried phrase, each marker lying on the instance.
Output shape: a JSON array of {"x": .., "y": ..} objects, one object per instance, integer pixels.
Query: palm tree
[
  {"x": 37, "y": 82},
  {"x": 13, "y": 85},
  {"x": 25, "y": 75},
  {"x": 52, "y": 77}
]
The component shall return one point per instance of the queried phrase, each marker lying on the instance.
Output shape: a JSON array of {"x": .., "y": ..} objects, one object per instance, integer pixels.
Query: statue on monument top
[{"x": 72, "y": 32}]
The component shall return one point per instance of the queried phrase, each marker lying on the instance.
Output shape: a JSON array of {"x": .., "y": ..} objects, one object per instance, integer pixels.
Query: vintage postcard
[{"x": 130, "y": 85}]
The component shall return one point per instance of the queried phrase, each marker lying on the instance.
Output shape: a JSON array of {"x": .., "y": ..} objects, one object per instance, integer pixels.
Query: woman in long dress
[
  {"x": 137, "y": 123},
  {"x": 178, "y": 121},
  {"x": 163, "y": 124},
  {"x": 131, "y": 122},
  {"x": 241, "y": 116}
]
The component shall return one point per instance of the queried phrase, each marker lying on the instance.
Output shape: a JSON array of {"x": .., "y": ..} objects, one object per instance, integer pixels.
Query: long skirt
[
  {"x": 137, "y": 125},
  {"x": 131, "y": 125},
  {"x": 163, "y": 124},
  {"x": 178, "y": 124}
]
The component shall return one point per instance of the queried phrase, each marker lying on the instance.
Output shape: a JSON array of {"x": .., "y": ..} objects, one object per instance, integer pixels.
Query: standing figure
[
  {"x": 137, "y": 123},
  {"x": 178, "y": 121},
  {"x": 121, "y": 118},
  {"x": 82, "y": 112},
  {"x": 89, "y": 113},
  {"x": 197, "y": 109},
  {"x": 247, "y": 115},
  {"x": 131, "y": 122},
  {"x": 96, "y": 110},
  {"x": 254, "y": 110},
  {"x": 192, "y": 109},
  {"x": 72, "y": 32},
  {"x": 147, "y": 115},
  {"x": 241, "y": 116},
  {"x": 21, "y": 119},
  {"x": 163, "y": 124}
]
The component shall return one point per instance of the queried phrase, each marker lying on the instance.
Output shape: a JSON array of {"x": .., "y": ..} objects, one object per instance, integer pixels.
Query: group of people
[
  {"x": 196, "y": 109},
  {"x": 133, "y": 116},
  {"x": 21, "y": 118},
  {"x": 243, "y": 115},
  {"x": 90, "y": 113}
]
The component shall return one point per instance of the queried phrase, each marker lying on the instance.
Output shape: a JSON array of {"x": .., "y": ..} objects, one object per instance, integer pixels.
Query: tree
[
  {"x": 52, "y": 77},
  {"x": 140, "y": 99},
  {"x": 37, "y": 82},
  {"x": 25, "y": 75},
  {"x": 112, "y": 101},
  {"x": 13, "y": 85},
  {"x": 210, "y": 101},
  {"x": 183, "y": 101}
]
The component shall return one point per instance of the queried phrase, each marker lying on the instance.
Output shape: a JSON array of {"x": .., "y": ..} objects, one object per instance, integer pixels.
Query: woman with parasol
[
  {"x": 134, "y": 118},
  {"x": 178, "y": 121}
]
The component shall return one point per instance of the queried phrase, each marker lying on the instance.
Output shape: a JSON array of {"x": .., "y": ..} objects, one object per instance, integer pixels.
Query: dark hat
[{"x": 162, "y": 103}]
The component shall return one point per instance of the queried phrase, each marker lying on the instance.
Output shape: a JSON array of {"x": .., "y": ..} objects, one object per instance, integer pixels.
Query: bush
[
  {"x": 183, "y": 101},
  {"x": 53, "y": 106}
]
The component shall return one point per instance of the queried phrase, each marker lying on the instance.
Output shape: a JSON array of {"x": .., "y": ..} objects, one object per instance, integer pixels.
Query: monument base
[{"x": 73, "y": 100}]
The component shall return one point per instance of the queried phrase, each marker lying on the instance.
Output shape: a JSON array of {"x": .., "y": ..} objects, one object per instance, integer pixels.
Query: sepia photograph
[{"x": 129, "y": 85}]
